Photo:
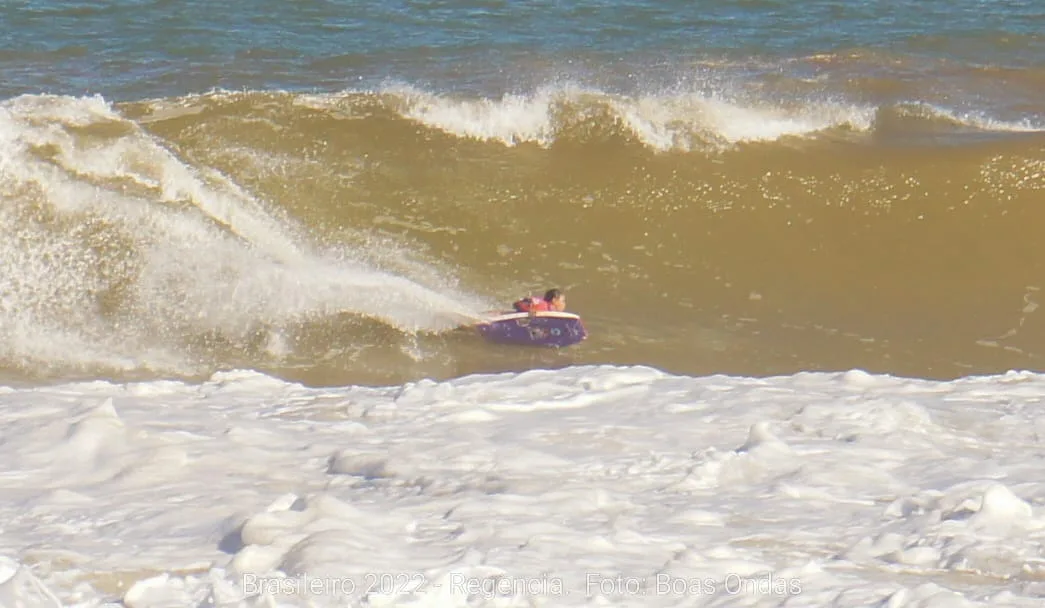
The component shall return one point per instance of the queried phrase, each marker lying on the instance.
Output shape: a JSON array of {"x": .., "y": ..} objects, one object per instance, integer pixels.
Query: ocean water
[{"x": 238, "y": 241}]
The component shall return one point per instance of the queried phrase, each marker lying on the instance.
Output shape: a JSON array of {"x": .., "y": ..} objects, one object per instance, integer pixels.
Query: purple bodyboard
[{"x": 538, "y": 329}]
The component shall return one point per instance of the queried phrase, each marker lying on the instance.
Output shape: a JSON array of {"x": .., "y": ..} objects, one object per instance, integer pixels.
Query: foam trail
[{"x": 120, "y": 252}]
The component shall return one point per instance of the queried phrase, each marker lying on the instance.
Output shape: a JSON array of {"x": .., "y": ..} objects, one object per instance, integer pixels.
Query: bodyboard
[{"x": 537, "y": 329}]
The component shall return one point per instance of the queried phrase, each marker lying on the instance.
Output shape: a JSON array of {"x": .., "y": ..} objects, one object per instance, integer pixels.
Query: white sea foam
[{"x": 582, "y": 486}]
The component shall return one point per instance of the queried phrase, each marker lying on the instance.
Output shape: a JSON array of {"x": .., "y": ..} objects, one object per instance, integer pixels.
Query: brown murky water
[{"x": 337, "y": 239}]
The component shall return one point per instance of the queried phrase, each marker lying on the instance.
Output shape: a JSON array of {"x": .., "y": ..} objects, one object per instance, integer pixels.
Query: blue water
[{"x": 132, "y": 49}]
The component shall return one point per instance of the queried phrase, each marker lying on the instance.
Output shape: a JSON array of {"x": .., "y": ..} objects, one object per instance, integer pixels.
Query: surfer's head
[{"x": 556, "y": 300}]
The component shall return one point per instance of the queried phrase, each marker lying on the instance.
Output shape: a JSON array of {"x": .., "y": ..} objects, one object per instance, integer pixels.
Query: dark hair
[{"x": 551, "y": 294}]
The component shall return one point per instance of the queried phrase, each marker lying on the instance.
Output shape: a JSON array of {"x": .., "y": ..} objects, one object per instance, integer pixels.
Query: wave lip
[{"x": 677, "y": 121}]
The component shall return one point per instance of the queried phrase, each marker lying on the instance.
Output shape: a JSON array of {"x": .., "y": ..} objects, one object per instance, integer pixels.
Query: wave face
[{"x": 337, "y": 238}]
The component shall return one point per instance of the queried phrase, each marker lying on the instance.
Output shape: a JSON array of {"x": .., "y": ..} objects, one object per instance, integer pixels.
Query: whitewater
[{"x": 586, "y": 486}]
